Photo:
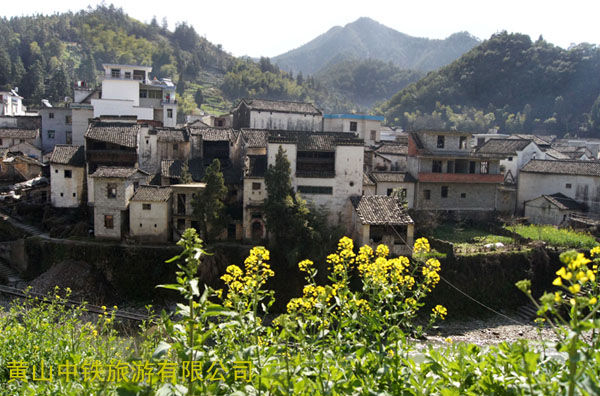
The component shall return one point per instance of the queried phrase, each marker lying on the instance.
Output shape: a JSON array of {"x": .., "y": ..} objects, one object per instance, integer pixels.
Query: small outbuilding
[
  {"x": 552, "y": 209},
  {"x": 380, "y": 219}
]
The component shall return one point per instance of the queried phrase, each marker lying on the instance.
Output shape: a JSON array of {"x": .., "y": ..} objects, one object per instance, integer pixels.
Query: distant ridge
[{"x": 368, "y": 39}]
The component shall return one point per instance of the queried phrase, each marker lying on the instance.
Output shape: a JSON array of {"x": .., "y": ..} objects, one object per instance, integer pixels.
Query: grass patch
[
  {"x": 459, "y": 234},
  {"x": 561, "y": 237}
]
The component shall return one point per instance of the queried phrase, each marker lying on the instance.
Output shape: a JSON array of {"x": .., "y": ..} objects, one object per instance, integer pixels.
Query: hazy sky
[{"x": 271, "y": 27}]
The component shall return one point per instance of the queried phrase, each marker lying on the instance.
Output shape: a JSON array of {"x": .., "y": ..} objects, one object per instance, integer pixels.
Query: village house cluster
[{"x": 120, "y": 149}]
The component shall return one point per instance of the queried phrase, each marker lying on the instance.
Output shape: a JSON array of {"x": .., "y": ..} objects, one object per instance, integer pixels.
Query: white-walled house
[
  {"x": 182, "y": 208},
  {"x": 277, "y": 115},
  {"x": 326, "y": 168},
  {"x": 579, "y": 180},
  {"x": 515, "y": 153},
  {"x": 368, "y": 127},
  {"x": 150, "y": 214},
  {"x": 11, "y": 104},
  {"x": 127, "y": 90},
  {"x": 113, "y": 189},
  {"x": 67, "y": 176}
]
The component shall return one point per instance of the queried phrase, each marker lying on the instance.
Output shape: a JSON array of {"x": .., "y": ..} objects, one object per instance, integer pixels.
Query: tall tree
[
  {"x": 186, "y": 176},
  {"x": 199, "y": 97},
  {"x": 5, "y": 67},
  {"x": 595, "y": 115},
  {"x": 209, "y": 206},
  {"x": 60, "y": 86},
  {"x": 34, "y": 83},
  {"x": 286, "y": 212}
]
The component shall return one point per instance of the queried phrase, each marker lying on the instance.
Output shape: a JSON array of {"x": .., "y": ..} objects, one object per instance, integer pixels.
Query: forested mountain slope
[{"x": 508, "y": 82}]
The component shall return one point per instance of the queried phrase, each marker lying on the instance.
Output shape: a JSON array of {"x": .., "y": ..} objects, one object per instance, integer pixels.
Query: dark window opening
[
  {"x": 463, "y": 195},
  {"x": 462, "y": 143},
  {"x": 181, "y": 203},
  {"x": 427, "y": 194},
  {"x": 115, "y": 73},
  {"x": 180, "y": 224},
  {"x": 568, "y": 185},
  {"x": 436, "y": 166},
  {"x": 315, "y": 190},
  {"x": 390, "y": 191},
  {"x": 68, "y": 173},
  {"x": 471, "y": 166},
  {"x": 353, "y": 126},
  {"x": 256, "y": 186},
  {"x": 440, "y": 141},
  {"x": 146, "y": 206},
  {"x": 315, "y": 164},
  {"x": 444, "y": 191},
  {"x": 111, "y": 191},
  {"x": 108, "y": 221}
]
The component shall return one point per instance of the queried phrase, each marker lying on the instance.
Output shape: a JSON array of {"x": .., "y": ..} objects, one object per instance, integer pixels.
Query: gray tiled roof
[
  {"x": 563, "y": 167},
  {"x": 503, "y": 146},
  {"x": 117, "y": 172},
  {"x": 172, "y": 169},
  {"x": 315, "y": 141},
  {"x": 152, "y": 194},
  {"x": 540, "y": 140},
  {"x": 556, "y": 154},
  {"x": 18, "y": 133},
  {"x": 392, "y": 177},
  {"x": 282, "y": 106},
  {"x": 171, "y": 135},
  {"x": 394, "y": 149},
  {"x": 380, "y": 210},
  {"x": 563, "y": 202},
  {"x": 68, "y": 155},
  {"x": 255, "y": 137},
  {"x": 213, "y": 134},
  {"x": 123, "y": 134}
]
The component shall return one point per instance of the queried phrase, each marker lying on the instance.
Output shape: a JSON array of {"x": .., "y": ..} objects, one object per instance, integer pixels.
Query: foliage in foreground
[{"x": 335, "y": 339}]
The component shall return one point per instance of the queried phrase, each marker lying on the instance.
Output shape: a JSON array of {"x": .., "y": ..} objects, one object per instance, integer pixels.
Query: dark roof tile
[
  {"x": 563, "y": 167},
  {"x": 18, "y": 133},
  {"x": 68, "y": 155},
  {"x": 503, "y": 146},
  {"x": 282, "y": 106},
  {"x": 380, "y": 210},
  {"x": 123, "y": 134},
  {"x": 392, "y": 177},
  {"x": 152, "y": 194},
  {"x": 117, "y": 172}
]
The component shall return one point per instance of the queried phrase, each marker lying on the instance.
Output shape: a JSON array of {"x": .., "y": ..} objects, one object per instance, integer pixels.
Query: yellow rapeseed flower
[
  {"x": 575, "y": 288},
  {"x": 557, "y": 297},
  {"x": 305, "y": 265},
  {"x": 593, "y": 301},
  {"x": 557, "y": 282}
]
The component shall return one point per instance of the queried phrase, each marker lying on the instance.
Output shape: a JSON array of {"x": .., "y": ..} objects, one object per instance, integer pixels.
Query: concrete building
[
  {"x": 555, "y": 209},
  {"x": 11, "y": 104},
  {"x": 82, "y": 111},
  {"x": 56, "y": 127},
  {"x": 277, "y": 115},
  {"x": 113, "y": 189},
  {"x": 578, "y": 180},
  {"x": 367, "y": 127},
  {"x": 450, "y": 175},
  {"x": 127, "y": 90},
  {"x": 378, "y": 219},
  {"x": 67, "y": 176},
  {"x": 183, "y": 211},
  {"x": 150, "y": 214},
  {"x": 515, "y": 154}
]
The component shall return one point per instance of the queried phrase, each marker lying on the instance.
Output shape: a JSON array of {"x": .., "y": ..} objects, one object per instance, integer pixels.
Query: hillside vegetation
[
  {"x": 368, "y": 39},
  {"x": 508, "y": 82},
  {"x": 43, "y": 55}
]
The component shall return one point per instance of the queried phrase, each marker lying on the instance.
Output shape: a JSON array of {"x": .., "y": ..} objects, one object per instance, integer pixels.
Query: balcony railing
[{"x": 169, "y": 101}]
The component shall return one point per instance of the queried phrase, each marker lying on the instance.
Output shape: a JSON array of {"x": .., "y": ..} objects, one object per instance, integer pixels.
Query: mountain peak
[{"x": 366, "y": 38}]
